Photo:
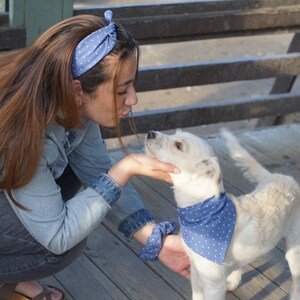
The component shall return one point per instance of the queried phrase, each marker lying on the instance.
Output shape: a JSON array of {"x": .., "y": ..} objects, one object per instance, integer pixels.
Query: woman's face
[{"x": 100, "y": 108}]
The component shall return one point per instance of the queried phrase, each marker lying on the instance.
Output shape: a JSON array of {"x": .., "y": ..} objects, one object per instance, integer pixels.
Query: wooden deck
[{"x": 110, "y": 268}]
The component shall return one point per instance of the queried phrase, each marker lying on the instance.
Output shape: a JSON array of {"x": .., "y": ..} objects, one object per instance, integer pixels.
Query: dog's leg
[
  {"x": 214, "y": 290},
  {"x": 293, "y": 258},
  {"x": 196, "y": 284},
  {"x": 234, "y": 279}
]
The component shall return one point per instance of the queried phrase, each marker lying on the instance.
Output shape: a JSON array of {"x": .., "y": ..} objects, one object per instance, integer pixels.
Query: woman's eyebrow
[{"x": 125, "y": 83}]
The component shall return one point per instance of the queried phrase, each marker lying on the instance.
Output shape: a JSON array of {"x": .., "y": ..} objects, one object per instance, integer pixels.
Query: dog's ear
[{"x": 210, "y": 167}]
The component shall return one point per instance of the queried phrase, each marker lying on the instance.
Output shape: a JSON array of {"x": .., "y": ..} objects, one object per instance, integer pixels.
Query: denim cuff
[
  {"x": 107, "y": 188},
  {"x": 135, "y": 221}
]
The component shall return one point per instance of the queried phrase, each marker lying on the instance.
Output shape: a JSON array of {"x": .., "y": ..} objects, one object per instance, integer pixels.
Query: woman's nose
[{"x": 131, "y": 98}]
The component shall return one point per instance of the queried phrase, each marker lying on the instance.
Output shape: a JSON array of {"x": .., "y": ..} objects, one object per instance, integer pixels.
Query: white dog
[{"x": 221, "y": 232}]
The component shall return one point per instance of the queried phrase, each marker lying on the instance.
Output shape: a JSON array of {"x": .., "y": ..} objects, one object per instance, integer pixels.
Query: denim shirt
[{"x": 59, "y": 225}]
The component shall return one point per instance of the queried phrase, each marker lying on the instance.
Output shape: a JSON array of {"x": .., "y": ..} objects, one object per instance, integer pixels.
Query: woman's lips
[{"x": 125, "y": 115}]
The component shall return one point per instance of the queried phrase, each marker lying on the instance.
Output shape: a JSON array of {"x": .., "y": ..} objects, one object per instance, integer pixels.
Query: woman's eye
[
  {"x": 179, "y": 146},
  {"x": 122, "y": 92}
]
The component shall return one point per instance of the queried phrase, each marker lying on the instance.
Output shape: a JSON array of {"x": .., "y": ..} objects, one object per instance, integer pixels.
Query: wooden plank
[
  {"x": 289, "y": 146},
  {"x": 282, "y": 84},
  {"x": 203, "y": 114},
  {"x": 201, "y": 73},
  {"x": 274, "y": 266},
  {"x": 83, "y": 280},
  {"x": 274, "y": 155},
  {"x": 12, "y": 38},
  {"x": 125, "y": 269},
  {"x": 293, "y": 132},
  {"x": 164, "y": 8},
  {"x": 4, "y": 19},
  {"x": 255, "y": 286},
  {"x": 217, "y": 23}
]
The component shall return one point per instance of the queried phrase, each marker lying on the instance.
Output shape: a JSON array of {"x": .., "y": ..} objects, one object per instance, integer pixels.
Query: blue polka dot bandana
[
  {"x": 207, "y": 227},
  {"x": 94, "y": 47},
  {"x": 154, "y": 242}
]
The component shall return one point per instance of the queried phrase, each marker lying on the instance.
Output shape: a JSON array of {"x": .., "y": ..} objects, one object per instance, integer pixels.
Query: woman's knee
[{"x": 15, "y": 268}]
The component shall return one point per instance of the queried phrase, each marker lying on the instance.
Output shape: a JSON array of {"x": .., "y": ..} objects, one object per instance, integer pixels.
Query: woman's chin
[{"x": 109, "y": 125}]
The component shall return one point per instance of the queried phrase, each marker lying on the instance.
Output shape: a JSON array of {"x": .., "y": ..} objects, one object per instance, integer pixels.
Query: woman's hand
[
  {"x": 140, "y": 164},
  {"x": 173, "y": 255}
]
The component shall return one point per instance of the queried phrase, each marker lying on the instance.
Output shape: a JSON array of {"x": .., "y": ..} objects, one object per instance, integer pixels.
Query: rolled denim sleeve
[
  {"x": 107, "y": 188},
  {"x": 135, "y": 221},
  {"x": 88, "y": 160}
]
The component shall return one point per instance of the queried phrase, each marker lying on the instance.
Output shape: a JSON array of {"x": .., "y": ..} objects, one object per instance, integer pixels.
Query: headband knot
[{"x": 94, "y": 47}]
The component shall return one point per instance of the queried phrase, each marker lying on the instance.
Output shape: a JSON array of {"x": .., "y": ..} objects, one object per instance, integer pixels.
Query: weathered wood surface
[
  {"x": 173, "y": 22},
  {"x": 211, "y": 113},
  {"x": 12, "y": 38},
  {"x": 110, "y": 268}
]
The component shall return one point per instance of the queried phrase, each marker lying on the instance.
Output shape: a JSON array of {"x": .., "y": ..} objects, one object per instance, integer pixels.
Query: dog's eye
[{"x": 179, "y": 146}]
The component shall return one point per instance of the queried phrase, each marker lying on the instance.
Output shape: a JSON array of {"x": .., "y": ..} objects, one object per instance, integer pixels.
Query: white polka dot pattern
[
  {"x": 94, "y": 47},
  {"x": 207, "y": 227},
  {"x": 154, "y": 242}
]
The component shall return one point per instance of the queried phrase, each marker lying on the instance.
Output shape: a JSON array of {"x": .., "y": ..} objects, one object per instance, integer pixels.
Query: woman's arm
[{"x": 128, "y": 214}]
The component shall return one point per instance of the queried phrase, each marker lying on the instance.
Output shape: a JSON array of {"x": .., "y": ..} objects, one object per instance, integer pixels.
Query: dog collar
[{"x": 207, "y": 227}]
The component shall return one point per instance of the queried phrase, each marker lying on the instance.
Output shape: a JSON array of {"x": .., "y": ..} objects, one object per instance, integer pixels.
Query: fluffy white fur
[{"x": 265, "y": 216}]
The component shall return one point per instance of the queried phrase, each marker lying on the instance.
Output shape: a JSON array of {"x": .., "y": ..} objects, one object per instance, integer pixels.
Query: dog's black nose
[{"x": 151, "y": 135}]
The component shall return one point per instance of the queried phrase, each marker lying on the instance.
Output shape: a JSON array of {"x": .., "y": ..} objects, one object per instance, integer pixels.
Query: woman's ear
[
  {"x": 77, "y": 88},
  {"x": 78, "y": 93}
]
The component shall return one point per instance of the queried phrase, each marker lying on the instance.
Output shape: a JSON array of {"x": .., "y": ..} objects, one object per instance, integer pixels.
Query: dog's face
[{"x": 185, "y": 150}]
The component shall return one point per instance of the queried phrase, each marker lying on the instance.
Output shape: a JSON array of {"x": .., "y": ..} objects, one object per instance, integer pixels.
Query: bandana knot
[
  {"x": 94, "y": 47},
  {"x": 207, "y": 227},
  {"x": 155, "y": 241}
]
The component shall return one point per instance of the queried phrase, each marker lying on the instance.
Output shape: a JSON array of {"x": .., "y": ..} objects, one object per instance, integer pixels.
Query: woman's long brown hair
[{"x": 36, "y": 89}]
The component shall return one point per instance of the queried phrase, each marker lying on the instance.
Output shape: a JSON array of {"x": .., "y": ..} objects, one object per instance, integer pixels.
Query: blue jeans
[{"x": 21, "y": 257}]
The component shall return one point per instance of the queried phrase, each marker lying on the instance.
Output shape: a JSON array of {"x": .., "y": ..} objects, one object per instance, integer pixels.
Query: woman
[{"x": 53, "y": 96}]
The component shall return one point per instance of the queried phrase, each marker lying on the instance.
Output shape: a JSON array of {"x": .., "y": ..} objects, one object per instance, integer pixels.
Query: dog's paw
[{"x": 233, "y": 280}]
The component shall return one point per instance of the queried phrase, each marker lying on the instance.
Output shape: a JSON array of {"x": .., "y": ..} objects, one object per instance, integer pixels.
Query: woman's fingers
[
  {"x": 156, "y": 164},
  {"x": 140, "y": 164}
]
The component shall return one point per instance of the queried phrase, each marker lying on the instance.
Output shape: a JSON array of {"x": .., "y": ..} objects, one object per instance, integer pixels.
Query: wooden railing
[
  {"x": 10, "y": 37},
  {"x": 174, "y": 22},
  {"x": 167, "y": 23}
]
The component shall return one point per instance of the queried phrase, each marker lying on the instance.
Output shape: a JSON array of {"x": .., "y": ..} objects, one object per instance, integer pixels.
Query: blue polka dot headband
[{"x": 94, "y": 47}]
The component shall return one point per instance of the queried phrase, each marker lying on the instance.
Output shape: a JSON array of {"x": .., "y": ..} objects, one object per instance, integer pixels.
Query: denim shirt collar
[{"x": 67, "y": 139}]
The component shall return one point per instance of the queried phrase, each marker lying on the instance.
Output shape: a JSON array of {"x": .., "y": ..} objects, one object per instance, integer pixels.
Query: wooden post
[
  {"x": 4, "y": 5},
  {"x": 38, "y": 15}
]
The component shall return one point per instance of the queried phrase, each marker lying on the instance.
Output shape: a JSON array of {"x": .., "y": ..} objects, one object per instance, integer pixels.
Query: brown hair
[{"x": 36, "y": 86}]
